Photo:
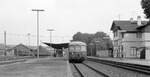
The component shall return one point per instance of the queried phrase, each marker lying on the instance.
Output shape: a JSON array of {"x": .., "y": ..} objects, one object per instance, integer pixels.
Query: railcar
[{"x": 77, "y": 51}]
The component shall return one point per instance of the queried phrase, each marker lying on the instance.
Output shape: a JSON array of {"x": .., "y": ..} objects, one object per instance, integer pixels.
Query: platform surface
[
  {"x": 44, "y": 67},
  {"x": 125, "y": 60}
]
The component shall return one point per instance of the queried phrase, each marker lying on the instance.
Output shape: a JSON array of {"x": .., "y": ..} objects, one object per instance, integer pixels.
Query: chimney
[
  {"x": 139, "y": 21},
  {"x": 131, "y": 20}
]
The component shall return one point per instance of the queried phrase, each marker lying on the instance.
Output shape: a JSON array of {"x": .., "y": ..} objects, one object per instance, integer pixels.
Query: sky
[{"x": 66, "y": 17}]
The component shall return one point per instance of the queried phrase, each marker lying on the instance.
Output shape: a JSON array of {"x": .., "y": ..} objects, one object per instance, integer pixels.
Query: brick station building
[{"x": 131, "y": 38}]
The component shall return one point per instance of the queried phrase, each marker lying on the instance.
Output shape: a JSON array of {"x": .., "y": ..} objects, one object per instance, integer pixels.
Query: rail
[
  {"x": 133, "y": 67},
  {"x": 91, "y": 68},
  {"x": 81, "y": 75}
]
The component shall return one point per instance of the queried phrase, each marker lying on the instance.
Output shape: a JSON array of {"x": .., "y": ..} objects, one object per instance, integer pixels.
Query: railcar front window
[
  {"x": 71, "y": 48},
  {"x": 77, "y": 48}
]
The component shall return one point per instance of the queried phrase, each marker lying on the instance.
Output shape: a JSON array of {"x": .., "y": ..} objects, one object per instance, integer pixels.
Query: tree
[
  {"x": 146, "y": 6},
  {"x": 84, "y": 37},
  {"x": 98, "y": 39}
]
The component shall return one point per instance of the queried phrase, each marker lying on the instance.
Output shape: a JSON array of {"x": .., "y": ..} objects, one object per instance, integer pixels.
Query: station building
[
  {"x": 19, "y": 50},
  {"x": 131, "y": 38},
  {"x": 23, "y": 50}
]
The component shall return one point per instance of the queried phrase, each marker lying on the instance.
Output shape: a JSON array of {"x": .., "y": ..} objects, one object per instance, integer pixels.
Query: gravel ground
[
  {"x": 45, "y": 67},
  {"x": 114, "y": 71},
  {"x": 87, "y": 72},
  {"x": 74, "y": 71}
]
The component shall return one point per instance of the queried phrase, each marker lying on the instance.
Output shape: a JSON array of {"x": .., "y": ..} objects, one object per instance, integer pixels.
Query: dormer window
[{"x": 115, "y": 34}]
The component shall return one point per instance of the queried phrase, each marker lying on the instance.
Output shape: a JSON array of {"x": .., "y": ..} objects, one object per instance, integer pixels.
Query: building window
[
  {"x": 122, "y": 35},
  {"x": 121, "y": 47},
  {"x": 133, "y": 51},
  {"x": 115, "y": 34},
  {"x": 139, "y": 35}
]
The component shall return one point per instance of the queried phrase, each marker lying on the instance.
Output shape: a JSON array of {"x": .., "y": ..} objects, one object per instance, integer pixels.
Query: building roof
[
  {"x": 20, "y": 45},
  {"x": 64, "y": 45},
  {"x": 126, "y": 25},
  {"x": 140, "y": 27},
  {"x": 57, "y": 46}
]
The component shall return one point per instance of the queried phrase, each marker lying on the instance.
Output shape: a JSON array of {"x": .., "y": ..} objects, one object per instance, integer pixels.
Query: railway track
[
  {"x": 77, "y": 69},
  {"x": 128, "y": 66},
  {"x": 85, "y": 70}
]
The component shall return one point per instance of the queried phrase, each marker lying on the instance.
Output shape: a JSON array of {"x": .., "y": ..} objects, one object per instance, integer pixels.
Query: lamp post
[
  {"x": 37, "y": 10},
  {"x": 50, "y": 30}
]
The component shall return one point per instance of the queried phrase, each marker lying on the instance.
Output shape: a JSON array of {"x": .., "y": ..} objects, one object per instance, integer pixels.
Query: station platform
[
  {"x": 41, "y": 67},
  {"x": 125, "y": 60}
]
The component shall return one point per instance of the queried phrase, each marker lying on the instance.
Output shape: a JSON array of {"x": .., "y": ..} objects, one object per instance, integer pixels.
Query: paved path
[{"x": 45, "y": 67}]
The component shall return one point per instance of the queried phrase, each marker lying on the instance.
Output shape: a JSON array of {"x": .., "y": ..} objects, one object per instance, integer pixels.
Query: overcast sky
[{"x": 66, "y": 17}]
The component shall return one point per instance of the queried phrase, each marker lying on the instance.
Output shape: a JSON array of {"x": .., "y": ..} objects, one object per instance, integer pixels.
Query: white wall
[{"x": 130, "y": 40}]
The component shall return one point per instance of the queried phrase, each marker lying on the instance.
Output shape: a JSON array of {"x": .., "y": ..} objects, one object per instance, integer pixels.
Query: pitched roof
[
  {"x": 140, "y": 27},
  {"x": 19, "y": 45},
  {"x": 126, "y": 25}
]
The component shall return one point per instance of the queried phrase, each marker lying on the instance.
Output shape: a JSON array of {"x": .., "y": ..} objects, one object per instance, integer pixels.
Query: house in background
[
  {"x": 20, "y": 50},
  {"x": 131, "y": 38}
]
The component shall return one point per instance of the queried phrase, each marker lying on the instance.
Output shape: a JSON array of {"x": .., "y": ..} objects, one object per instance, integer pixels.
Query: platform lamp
[{"x": 50, "y": 30}]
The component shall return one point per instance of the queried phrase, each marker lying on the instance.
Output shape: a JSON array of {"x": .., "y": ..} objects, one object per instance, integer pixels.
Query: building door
[{"x": 142, "y": 54}]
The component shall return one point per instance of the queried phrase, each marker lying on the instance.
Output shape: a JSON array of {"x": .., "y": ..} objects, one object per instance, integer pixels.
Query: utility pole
[
  {"x": 29, "y": 42},
  {"x": 5, "y": 43},
  {"x": 28, "y": 39},
  {"x": 37, "y": 10}
]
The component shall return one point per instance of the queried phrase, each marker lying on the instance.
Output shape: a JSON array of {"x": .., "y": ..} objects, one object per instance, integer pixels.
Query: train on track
[{"x": 77, "y": 51}]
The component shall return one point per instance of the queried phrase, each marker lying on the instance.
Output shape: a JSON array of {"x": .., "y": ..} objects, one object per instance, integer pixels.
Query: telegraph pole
[
  {"x": 29, "y": 42},
  {"x": 37, "y": 10},
  {"x": 5, "y": 43},
  {"x": 28, "y": 39}
]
